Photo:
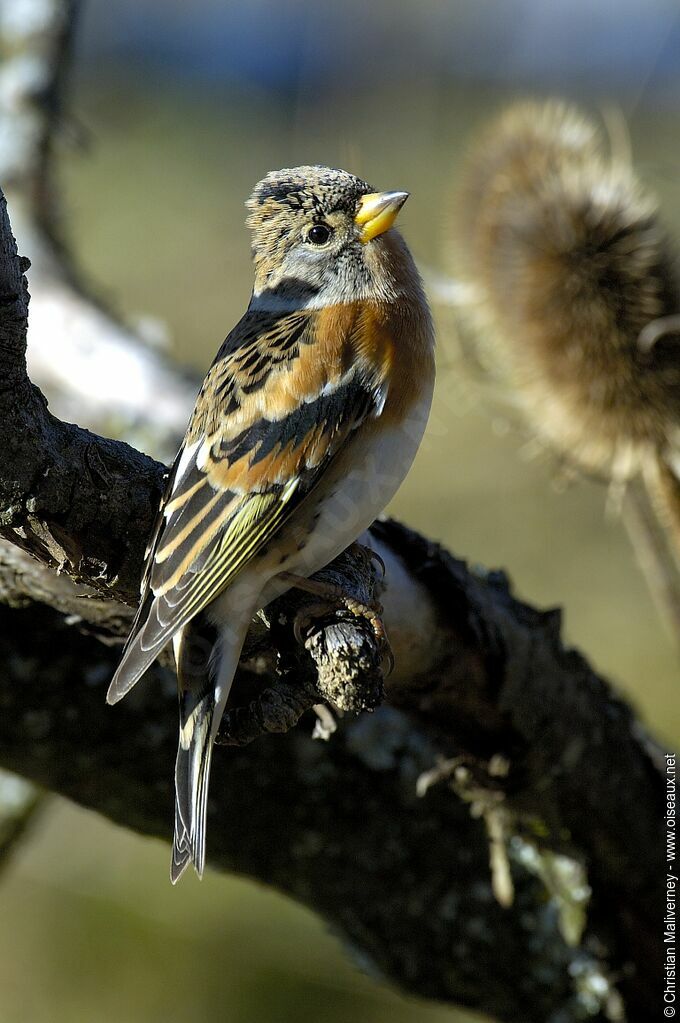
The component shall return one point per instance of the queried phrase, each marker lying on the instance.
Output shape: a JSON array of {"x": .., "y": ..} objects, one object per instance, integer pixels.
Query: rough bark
[{"x": 339, "y": 825}]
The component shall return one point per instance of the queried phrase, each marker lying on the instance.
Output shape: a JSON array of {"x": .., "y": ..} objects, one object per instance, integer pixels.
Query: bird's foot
[{"x": 330, "y": 599}]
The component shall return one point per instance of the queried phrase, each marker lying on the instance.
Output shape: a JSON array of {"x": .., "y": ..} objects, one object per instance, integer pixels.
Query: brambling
[{"x": 304, "y": 428}]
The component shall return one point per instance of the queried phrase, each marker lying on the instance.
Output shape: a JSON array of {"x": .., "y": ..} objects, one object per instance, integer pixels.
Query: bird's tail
[
  {"x": 206, "y": 664},
  {"x": 194, "y": 646},
  {"x": 192, "y": 774}
]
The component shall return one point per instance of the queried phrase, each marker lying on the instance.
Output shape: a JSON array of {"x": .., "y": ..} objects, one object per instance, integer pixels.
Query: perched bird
[
  {"x": 304, "y": 428},
  {"x": 575, "y": 296}
]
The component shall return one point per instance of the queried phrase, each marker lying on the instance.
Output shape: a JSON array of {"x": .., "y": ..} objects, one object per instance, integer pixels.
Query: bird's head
[{"x": 321, "y": 237}]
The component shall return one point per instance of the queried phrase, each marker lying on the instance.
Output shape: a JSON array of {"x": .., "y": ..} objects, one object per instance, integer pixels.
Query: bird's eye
[{"x": 319, "y": 234}]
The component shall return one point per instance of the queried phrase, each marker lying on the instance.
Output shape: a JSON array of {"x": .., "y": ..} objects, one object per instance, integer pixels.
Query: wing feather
[{"x": 268, "y": 421}]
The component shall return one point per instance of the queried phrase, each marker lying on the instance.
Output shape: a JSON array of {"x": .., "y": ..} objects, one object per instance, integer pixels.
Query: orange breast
[{"x": 395, "y": 340}]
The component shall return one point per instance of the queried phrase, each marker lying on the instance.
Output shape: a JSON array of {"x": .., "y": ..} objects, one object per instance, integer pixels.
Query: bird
[
  {"x": 304, "y": 428},
  {"x": 573, "y": 294}
]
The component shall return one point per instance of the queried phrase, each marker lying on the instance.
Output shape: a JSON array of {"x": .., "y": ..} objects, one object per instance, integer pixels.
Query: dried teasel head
[
  {"x": 574, "y": 296},
  {"x": 574, "y": 286}
]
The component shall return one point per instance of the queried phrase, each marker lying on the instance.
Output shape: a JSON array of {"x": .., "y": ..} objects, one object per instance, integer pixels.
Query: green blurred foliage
[{"x": 91, "y": 928}]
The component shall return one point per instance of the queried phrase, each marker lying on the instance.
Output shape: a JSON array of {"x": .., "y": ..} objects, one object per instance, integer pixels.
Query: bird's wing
[{"x": 282, "y": 397}]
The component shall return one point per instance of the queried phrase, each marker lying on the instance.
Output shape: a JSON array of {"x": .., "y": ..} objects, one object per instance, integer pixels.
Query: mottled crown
[{"x": 316, "y": 191}]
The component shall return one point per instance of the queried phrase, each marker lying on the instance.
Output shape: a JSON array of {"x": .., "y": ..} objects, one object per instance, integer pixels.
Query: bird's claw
[
  {"x": 372, "y": 613},
  {"x": 374, "y": 556},
  {"x": 371, "y": 555}
]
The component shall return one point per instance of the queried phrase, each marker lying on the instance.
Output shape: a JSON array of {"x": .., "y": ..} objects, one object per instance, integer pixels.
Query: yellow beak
[{"x": 377, "y": 212}]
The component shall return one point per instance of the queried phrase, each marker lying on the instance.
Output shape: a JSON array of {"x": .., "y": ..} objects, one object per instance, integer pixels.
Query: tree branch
[
  {"x": 96, "y": 368},
  {"x": 339, "y": 825}
]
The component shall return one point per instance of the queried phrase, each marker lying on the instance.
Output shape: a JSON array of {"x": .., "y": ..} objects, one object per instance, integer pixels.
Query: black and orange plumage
[{"x": 303, "y": 429}]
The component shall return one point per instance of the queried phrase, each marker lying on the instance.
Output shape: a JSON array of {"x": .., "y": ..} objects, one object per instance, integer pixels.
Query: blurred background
[{"x": 184, "y": 107}]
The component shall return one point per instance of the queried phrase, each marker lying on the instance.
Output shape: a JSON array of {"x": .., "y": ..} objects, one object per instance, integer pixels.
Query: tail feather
[
  {"x": 192, "y": 775},
  {"x": 207, "y": 652},
  {"x": 181, "y": 854},
  {"x": 204, "y": 676}
]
